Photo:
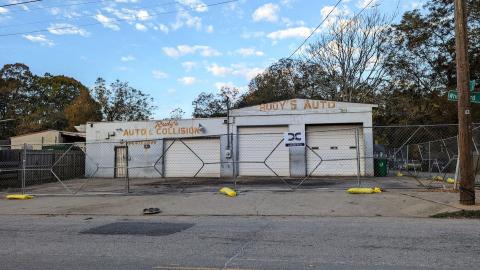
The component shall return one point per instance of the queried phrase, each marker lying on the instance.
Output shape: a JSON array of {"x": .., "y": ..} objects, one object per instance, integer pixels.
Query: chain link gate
[{"x": 424, "y": 153}]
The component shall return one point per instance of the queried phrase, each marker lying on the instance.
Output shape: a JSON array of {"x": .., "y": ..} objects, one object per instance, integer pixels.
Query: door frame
[{"x": 115, "y": 160}]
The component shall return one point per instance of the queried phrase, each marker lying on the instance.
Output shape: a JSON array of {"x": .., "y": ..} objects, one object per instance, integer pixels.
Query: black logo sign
[{"x": 294, "y": 139}]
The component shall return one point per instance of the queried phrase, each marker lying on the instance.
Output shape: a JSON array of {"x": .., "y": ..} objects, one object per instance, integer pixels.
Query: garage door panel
[
  {"x": 184, "y": 158},
  {"x": 336, "y": 147},
  {"x": 259, "y": 144}
]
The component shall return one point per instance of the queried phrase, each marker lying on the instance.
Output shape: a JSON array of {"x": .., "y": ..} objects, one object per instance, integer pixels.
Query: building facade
[
  {"x": 250, "y": 143},
  {"x": 40, "y": 139}
]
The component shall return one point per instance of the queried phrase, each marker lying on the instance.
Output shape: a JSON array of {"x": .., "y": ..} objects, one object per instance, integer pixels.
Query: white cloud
[
  {"x": 249, "y": 52},
  {"x": 129, "y": 15},
  {"x": 220, "y": 85},
  {"x": 171, "y": 91},
  {"x": 122, "y": 68},
  {"x": 288, "y": 3},
  {"x": 413, "y": 5},
  {"x": 143, "y": 15},
  {"x": 217, "y": 70},
  {"x": 335, "y": 14},
  {"x": 158, "y": 74},
  {"x": 106, "y": 22},
  {"x": 210, "y": 29},
  {"x": 122, "y": 14},
  {"x": 189, "y": 65},
  {"x": 249, "y": 35},
  {"x": 187, "y": 80},
  {"x": 55, "y": 11},
  {"x": 140, "y": 27},
  {"x": 294, "y": 32},
  {"x": 185, "y": 19},
  {"x": 241, "y": 70},
  {"x": 67, "y": 29},
  {"x": 163, "y": 28},
  {"x": 127, "y": 58},
  {"x": 267, "y": 12},
  {"x": 247, "y": 72},
  {"x": 198, "y": 5},
  {"x": 3, "y": 10},
  {"x": 182, "y": 50},
  {"x": 289, "y": 23},
  {"x": 42, "y": 39},
  {"x": 364, "y": 3}
]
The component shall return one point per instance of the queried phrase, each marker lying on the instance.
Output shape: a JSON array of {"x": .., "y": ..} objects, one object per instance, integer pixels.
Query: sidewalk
[{"x": 315, "y": 202}]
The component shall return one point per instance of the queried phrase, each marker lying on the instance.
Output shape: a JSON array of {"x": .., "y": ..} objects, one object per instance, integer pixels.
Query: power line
[
  {"x": 43, "y": 21},
  {"x": 62, "y": 5},
  {"x": 114, "y": 20},
  {"x": 316, "y": 28},
  {"x": 20, "y": 3}
]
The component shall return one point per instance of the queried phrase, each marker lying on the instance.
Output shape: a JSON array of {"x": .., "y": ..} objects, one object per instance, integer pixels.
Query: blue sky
[{"x": 172, "y": 50}]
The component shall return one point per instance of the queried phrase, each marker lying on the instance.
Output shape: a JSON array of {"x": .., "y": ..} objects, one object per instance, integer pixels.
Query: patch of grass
[{"x": 467, "y": 214}]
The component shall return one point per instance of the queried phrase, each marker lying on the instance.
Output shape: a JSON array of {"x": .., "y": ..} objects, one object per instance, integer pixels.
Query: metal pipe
[
  {"x": 24, "y": 165},
  {"x": 357, "y": 146}
]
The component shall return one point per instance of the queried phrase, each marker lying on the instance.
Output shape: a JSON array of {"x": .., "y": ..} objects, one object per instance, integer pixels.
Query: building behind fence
[
  {"x": 338, "y": 140},
  {"x": 417, "y": 151}
]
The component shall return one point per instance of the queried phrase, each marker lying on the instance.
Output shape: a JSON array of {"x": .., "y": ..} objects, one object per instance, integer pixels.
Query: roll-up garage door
[
  {"x": 255, "y": 144},
  {"x": 184, "y": 157},
  {"x": 336, "y": 147}
]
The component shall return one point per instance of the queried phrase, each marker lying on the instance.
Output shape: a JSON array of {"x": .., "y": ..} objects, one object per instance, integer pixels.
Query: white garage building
[{"x": 256, "y": 146}]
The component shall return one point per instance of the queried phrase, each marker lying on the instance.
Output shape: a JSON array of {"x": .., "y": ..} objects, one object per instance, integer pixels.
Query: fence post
[
  {"x": 24, "y": 166},
  {"x": 429, "y": 161},
  {"x": 127, "y": 180},
  {"x": 357, "y": 146}
]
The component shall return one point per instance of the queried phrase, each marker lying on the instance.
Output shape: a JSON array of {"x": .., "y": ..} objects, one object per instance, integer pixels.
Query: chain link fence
[{"x": 425, "y": 154}]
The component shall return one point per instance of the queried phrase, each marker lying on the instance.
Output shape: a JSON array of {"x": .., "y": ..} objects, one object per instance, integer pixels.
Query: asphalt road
[{"x": 78, "y": 242}]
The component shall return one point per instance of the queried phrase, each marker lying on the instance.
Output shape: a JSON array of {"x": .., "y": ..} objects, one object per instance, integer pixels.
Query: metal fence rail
[{"x": 426, "y": 153}]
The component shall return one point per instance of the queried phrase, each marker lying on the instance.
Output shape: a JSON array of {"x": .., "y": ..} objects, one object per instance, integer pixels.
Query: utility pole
[{"x": 467, "y": 179}]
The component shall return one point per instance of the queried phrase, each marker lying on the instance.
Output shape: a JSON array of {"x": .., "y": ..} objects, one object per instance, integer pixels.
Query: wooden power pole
[{"x": 467, "y": 179}]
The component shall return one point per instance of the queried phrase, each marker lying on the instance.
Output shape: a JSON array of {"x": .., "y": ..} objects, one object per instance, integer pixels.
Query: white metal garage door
[
  {"x": 181, "y": 158},
  {"x": 336, "y": 146},
  {"x": 256, "y": 144}
]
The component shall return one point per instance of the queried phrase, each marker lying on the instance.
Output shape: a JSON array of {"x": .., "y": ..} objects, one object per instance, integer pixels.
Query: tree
[
  {"x": 353, "y": 53},
  {"x": 176, "y": 114},
  {"x": 81, "y": 110},
  {"x": 121, "y": 102},
  {"x": 54, "y": 96},
  {"x": 422, "y": 69},
  {"x": 211, "y": 105},
  {"x": 16, "y": 92},
  {"x": 287, "y": 79},
  {"x": 346, "y": 63}
]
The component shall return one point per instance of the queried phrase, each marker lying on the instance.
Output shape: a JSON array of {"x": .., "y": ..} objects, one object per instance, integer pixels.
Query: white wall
[
  {"x": 295, "y": 113},
  {"x": 136, "y": 134}
]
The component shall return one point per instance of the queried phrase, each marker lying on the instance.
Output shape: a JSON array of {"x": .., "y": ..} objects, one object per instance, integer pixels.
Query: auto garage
[{"x": 291, "y": 138}]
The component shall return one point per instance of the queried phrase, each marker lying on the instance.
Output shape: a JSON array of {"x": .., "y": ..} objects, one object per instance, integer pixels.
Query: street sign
[
  {"x": 474, "y": 96},
  {"x": 294, "y": 139},
  {"x": 472, "y": 85}
]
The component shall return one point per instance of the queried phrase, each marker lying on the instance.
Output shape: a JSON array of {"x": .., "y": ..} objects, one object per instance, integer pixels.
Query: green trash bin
[{"x": 380, "y": 167}]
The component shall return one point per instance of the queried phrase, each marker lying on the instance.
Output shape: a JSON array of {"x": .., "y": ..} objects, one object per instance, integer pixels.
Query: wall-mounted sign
[
  {"x": 295, "y": 105},
  {"x": 164, "y": 127},
  {"x": 294, "y": 139}
]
